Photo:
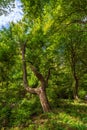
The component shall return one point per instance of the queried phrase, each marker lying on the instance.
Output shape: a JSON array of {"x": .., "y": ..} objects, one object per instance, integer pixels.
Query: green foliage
[
  {"x": 82, "y": 93},
  {"x": 70, "y": 115},
  {"x": 56, "y": 38}
]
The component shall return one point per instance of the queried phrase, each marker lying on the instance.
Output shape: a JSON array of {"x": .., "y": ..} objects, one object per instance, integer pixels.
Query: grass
[{"x": 69, "y": 115}]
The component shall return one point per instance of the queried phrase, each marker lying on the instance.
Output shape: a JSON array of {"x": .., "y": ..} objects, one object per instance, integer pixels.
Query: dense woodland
[{"x": 43, "y": 67}]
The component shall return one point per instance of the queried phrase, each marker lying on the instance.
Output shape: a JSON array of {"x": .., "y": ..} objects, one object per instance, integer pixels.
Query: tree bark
[
  {"x": 40, "y": 91},
  {"x": 73, "y": 65},
  {"x": 76, "y": 87},
  {"x": 43, "y": 100}
]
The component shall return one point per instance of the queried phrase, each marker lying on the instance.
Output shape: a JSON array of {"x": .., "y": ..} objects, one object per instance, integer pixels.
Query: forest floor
[{"x": 69, "y": 115}]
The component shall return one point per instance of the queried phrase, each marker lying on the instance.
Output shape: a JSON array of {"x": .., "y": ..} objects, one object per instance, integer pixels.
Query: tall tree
[{"x": 32, "y": 56}]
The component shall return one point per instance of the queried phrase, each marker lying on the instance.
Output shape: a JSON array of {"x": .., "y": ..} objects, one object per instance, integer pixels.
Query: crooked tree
[{"x": 40, "y": 91}]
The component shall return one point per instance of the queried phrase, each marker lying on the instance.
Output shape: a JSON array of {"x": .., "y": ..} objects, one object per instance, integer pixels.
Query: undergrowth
[{"x": 69, "y": 115}]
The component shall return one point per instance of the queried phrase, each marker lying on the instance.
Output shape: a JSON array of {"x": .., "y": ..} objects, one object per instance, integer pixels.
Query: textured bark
[
  {"x": 40, "y": 91},
  {"x": 44, "y": 100}
]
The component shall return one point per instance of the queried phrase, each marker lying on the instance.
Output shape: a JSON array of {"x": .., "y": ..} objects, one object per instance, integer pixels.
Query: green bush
[
  {"x": 82, "y": 93},
  {"x": 21, "y": 115}
]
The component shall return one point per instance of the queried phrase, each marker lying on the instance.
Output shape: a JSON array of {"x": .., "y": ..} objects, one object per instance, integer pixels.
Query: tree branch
[
  {"x": 39, "y": 76},
  {"x": 23, "y": 50},
  {"x": 25, "y": 81},
  {"x": 80, "y": 21},
  {"x": 32, "y": 90}
]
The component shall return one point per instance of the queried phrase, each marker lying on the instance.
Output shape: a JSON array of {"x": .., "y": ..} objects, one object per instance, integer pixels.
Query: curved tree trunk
[{"x": 40, "y": 91}]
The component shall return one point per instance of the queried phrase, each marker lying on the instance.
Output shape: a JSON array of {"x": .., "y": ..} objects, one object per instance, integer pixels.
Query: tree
[
  {"x": 41, "y": 91},
  {"x": 28, "y": 59}
]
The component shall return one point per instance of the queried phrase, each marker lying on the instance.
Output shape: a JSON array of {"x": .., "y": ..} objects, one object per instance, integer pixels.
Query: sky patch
[{"x": 14, "y": 15}]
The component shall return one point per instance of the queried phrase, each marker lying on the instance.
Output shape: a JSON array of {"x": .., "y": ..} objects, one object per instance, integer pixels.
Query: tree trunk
[
  {"x": 43, "y": 100},
  {"x": 40, "y": 91},
  {"x": 76, "y": 88},
  {"x": 75, "y": 76}
]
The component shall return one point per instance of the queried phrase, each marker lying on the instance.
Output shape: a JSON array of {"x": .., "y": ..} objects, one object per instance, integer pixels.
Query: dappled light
[{"x": 43, "y": 65}]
